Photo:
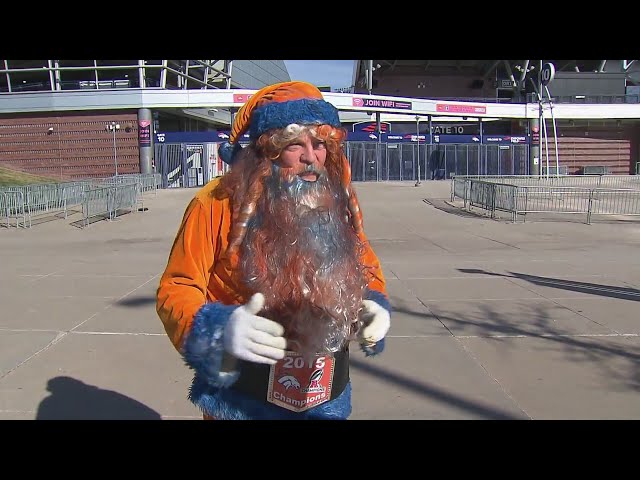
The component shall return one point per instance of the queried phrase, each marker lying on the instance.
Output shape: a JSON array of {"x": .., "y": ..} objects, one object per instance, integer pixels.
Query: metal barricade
[
  {"x": 93, "y": 197},
  {"x": 520, "y": 200},
  {"x": 12, "y": 206},
  {"x": 106, "y": 201},
  {"x": 614, "y": 202}
]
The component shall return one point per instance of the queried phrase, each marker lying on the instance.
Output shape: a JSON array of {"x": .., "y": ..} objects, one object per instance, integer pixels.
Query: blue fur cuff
[
  {"x": 378, "y": 297},
  {"x": 303, "y": 111},
  {"x": 383, "y": 301},
  {"x": 203, "y": 347},
  {"x": 374, "y": 349}
]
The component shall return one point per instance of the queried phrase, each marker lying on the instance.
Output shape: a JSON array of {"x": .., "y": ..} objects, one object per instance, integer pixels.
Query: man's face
[{"x": 304, "y": 154}]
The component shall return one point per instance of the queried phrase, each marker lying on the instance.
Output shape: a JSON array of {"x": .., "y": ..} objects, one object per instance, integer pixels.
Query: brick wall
[
  {"x": 589, "y": 146},
  {"x": 78, "y": 147}
]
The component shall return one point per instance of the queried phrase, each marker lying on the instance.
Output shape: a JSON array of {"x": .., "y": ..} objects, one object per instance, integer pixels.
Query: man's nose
[{"x": 308, "y": 155}]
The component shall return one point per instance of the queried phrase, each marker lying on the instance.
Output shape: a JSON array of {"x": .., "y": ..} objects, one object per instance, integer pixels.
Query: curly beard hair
[{"x": 302, "y": 253}]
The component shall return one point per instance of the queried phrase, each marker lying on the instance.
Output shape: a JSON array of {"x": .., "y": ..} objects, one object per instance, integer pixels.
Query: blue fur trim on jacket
[
  {"x": 228, "y": 404},
  {"x": 203, "y": 346},
  {"x": 304, "y": 111},
  {"x": 383, "y": 301},
  {"x": 228, "y": 152},
  {"x": 379, "y": 298}
]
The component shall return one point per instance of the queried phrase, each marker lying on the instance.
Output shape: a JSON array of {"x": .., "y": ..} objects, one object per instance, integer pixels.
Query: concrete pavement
[{"x": 492, "y": 320}]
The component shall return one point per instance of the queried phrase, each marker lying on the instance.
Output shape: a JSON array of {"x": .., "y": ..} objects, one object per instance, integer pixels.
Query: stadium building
[
  {"x": 592, "y": 134},
  {"x": 91, "y": 118},
  {"x": 56, "y": 116}
]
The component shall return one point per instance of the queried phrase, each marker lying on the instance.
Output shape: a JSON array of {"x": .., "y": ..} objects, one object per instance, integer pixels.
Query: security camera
[{"x": 50, "y": 130}]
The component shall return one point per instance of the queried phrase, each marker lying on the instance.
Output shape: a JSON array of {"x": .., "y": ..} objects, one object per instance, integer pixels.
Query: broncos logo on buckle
[{"x": 289, "y": 381}]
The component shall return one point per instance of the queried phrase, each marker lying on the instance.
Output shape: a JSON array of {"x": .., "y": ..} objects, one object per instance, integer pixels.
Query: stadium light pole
[{"x": 114, "y": 127}]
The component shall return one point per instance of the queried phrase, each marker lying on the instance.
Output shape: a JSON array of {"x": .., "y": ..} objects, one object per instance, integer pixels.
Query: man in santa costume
[{"x": 271, "y": 277}]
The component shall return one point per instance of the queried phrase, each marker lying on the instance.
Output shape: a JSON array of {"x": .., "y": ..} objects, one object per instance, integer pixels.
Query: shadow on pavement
[
  {"x": 617, "y": 364},
  {"x": 72, "y": 399},
  {"x": 434, "y": 392},
  {"x": 612, "y": 291},
  {"x": 137, "y": 301}
]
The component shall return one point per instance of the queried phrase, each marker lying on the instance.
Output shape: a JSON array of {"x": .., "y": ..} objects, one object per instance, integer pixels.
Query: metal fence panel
[
  {"x": 185, "y": 165},
  {"x": 12, "y": 206},
  {"x": 394, "y": 161},
  {"x": 169, "y": 160},
  {"x": 407, "y": 162},
  {"x": 525, "y": 195},
  {"x": 372, "y": 162}
]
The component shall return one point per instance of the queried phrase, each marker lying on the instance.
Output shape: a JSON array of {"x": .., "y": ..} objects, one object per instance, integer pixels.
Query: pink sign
[
  {"x": 377, "y": 103},
  {"x": 457, "y": 108},
  {"x": 241, "y": 97}
]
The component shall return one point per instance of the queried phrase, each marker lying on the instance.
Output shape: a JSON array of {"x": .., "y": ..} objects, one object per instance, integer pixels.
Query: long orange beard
[{"x": 303, "y": 255}]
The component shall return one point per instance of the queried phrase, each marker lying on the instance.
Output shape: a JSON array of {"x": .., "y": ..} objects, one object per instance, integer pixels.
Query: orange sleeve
[
  {"x": 183, "y": 285},
  {"x": 374, "y": 269}
]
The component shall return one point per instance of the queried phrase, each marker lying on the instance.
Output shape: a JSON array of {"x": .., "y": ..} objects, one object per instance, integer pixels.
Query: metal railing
[
  {"x": 553, "y": 170},
  {"x": 30, "y": 201},
  {"x": 370, "y": 161},
  {"x": 12, "y": 206},
  {"x": 587, "y": 181},
  {"x": 107, "y": 201},
  {"x": 520, "y": 197},
  {"x": 597, "y": 99}
]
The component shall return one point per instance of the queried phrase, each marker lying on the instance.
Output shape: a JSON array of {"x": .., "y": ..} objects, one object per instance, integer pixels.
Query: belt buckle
[{"x": 298, "y": 384}]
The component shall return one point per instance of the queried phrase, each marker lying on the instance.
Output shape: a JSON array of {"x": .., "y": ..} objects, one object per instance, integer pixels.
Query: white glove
[
  {"x": 248, "y": 336},
  {"x": 376, "y": 321}
]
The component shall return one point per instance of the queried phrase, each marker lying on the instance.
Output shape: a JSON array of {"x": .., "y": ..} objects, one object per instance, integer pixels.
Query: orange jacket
[{"x": 193, "y": 275}]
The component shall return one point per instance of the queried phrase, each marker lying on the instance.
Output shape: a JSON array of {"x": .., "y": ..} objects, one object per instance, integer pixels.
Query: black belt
[{"x": 254, "y": 377}]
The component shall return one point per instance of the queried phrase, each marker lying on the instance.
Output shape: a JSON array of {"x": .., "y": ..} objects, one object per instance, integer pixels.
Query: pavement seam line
[
  {"x": 40, "y": 277},
  {"x": 57, "y": 338},
  {"x": 551, "y": 299},
  {"x": 501, "y": 387},
  {"x": 424, "y": 305},
  {"x": 475, "y": 360},
  {"x": 81, "y": 275},
  {"x": 111, "y": 304},
  {"x": 120, "y": 333},
  {"x": 496, "y": 241},
  {"x": 63, "y": 334}
]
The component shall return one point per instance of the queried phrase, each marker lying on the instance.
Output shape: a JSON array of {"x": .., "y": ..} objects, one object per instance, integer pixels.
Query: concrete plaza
[{"x": 492, "y": 320}]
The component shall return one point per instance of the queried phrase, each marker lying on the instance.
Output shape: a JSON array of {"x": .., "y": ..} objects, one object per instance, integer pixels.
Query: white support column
[
  {"x": 51, "y": 78},
  {"x": 141, "y": 74},
  {"x": 229, "y": 70},
  {"x": 56, "y": 74},
  {"x": 163, "y": 74},
  {"x": 205, "y": 75},
  {"x": 6, "y": 67}
]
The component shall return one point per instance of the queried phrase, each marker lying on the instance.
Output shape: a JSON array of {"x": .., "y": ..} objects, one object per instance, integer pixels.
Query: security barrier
[
  {"x": 107, "y": 201},
  {"x": 519, "y": 196},
  {"x": 370, "y": 161},
  {"x": 21, "y": 204}
]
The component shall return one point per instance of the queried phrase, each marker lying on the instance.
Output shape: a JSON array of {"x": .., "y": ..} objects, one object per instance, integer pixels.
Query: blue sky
[{"x": 333, "y": 73}]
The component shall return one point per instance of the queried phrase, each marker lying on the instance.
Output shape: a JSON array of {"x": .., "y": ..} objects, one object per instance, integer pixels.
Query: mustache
[{"x": 317, "y": 169}]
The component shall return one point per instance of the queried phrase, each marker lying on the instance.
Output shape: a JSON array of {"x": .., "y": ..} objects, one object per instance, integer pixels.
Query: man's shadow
[{"x": 72, "y": 399}]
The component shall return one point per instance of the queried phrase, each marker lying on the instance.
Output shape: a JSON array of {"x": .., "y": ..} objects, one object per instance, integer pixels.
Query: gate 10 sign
[{"x": 547, "y": 73}]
